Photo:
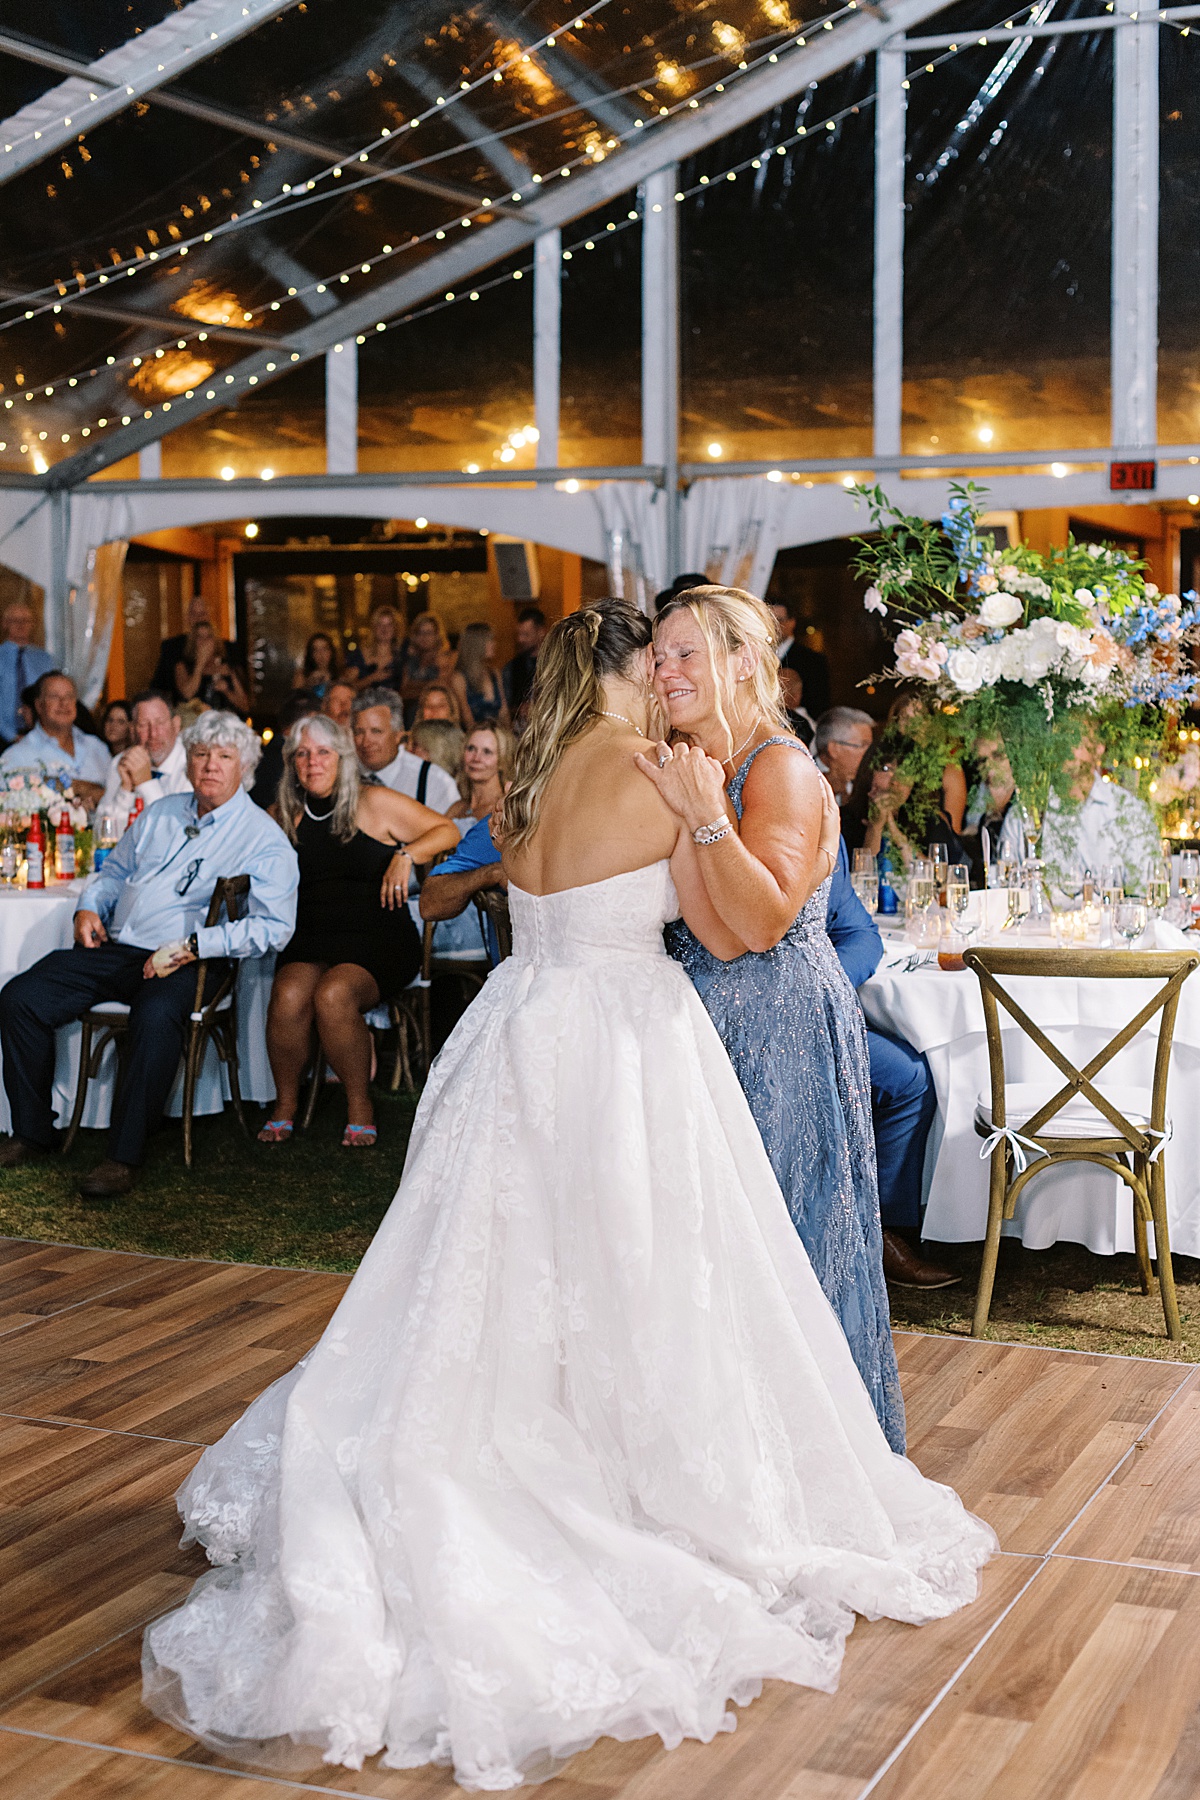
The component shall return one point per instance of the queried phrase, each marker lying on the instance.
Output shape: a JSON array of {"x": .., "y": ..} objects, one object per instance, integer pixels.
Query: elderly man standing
[
  {"x": 57, "y": 742},
  {"x": 378, "y": 724},
  {"x": 138, "y": 928},
  {"x": 154, "y": 765},
  {"x": 21, "y": 662}
]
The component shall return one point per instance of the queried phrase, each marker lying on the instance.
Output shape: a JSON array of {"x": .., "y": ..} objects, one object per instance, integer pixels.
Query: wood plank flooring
[{"x": 1075, "y": 1676}]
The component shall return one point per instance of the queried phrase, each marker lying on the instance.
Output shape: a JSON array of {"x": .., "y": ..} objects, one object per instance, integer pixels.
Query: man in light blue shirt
[
  {"x": 21, "y": 662},
  {"x": 138, "y": 927},
  {"x": 467, "y": 871},
  {"x": 56, "y": 742}
]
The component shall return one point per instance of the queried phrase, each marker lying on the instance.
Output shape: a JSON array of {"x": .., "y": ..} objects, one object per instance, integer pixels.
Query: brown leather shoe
[
  {"x": 905, "y": 1268},
  {"x": 14, "y": 1151},
  {"x": 107, "y": 1180}
]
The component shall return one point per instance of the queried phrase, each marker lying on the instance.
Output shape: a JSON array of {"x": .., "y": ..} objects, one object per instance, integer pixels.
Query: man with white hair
[
  {"x": 139, "y": 926},
  {"x": 154, "y": 765}
]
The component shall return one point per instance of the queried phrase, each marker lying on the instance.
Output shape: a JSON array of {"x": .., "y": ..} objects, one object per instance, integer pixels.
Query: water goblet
[{"x": 1129, "y": 920}]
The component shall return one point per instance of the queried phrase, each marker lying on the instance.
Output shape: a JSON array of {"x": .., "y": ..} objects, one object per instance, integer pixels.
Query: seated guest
[
  {"x": 476, "y": 681},
  {"x": 800, "y": 720},
  {"x": 903, "y": 1101},
  {"x": 116, "y": 726},
  {"x": 270, "y": 768},
  {"x": 439, "y": 701},
  {"x": 339, "y": 700},
  {"x": 518, "y": 673},
  {"x": 155, "y": 764},
  {"x": 163, "y": 678},
  {"x": 450, "y": 889},
  {"x": 205, "y": 673},
  {"x": 138, "y": 928},
  {"x": 318, "y": 667},
  {"x": 355, "y": 944},
  {"x": 812, "y": 666},
  {"x": 21, "y": 662},
  {"x": 379, "y": 740},
  {"x": 842, "y": 738},
  {"x": 441, "y": 742},
  {"x": 57, "y": 743},
  {"x": 1105, "y": 823},
  {"x": 486, "y": 773}
]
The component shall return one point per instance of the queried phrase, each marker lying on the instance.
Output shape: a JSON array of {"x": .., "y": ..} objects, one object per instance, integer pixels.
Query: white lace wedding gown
[{"x": 583, "y": 1451}]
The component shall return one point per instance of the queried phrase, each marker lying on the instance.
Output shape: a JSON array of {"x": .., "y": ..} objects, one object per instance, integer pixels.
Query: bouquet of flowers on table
[
  {"x": 1035, "y": 650},
  {"x": 37, "y": 789}
]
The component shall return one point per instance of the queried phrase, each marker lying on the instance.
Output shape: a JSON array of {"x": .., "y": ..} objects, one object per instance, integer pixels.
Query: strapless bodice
[{"x": 620, "y": 918}]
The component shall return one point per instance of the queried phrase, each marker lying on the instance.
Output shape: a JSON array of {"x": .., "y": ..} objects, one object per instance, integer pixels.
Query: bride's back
[
  {"x": 579, "y": 810},
  {"x": 597, "y": 817}
]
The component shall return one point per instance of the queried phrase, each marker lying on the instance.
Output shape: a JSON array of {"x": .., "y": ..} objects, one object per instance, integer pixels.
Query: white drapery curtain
[
  {"x": 731, "y": 531},
  {"x": 98, "y": 541}
]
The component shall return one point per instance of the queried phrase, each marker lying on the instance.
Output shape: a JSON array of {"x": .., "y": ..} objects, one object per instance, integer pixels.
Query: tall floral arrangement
[{"x": 1033, "y": 649}]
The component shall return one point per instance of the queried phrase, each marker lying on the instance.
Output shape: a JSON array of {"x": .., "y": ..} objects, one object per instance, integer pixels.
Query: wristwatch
[{"x": 193, "y": 945}]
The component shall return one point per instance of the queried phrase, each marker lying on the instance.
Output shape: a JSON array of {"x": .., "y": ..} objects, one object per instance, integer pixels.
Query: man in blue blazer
[{"x": 903, "y": 1102}]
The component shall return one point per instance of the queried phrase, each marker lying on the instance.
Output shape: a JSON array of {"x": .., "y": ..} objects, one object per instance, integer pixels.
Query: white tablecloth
[
  {"x": 941, "y": 1013},
  {"x": 33, "y": 924}
]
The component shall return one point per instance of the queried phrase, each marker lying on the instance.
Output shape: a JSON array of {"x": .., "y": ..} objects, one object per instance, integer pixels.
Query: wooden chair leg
[
  {"x": 1162, "y": 1250},
  {"x": 991, "y": 1247},
  {"x": 81, "y": 1087},
  {"x": 400, "y": 1059},
  {"x": 231, "y": 1062},
  {"x": 316, "y": 1081},
  {"x": 1141, "y": 1244},
  {"x": 195, "y": 1049}
]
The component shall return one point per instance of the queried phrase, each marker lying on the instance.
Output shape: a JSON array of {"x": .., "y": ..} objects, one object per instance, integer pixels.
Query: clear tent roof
[{"x": 224, "y": 212}]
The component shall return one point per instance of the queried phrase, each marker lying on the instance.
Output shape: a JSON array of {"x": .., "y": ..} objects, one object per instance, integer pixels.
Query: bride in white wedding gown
[{"x": 583, "y": 1451}]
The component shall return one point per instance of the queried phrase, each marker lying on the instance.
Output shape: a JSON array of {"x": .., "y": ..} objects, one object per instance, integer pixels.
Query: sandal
[
  {"x": 358, "y": 1137},
  {"x": 276, "y": 1131}
]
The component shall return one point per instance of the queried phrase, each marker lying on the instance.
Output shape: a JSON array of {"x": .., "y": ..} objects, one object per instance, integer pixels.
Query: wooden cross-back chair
[
  {"x": 492, "y": 903},
  {"x": 213, "y": 1018},
  {"x": 1036, "y": 1126}
]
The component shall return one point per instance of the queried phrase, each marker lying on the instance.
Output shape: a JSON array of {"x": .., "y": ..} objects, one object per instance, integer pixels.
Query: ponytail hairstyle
[
  {"x": 599, "y": 640},
  {"x": 730, "y": 620}
]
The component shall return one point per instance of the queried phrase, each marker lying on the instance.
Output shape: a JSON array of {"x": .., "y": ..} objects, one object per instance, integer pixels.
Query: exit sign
[{"x": 1137, "y": 477}]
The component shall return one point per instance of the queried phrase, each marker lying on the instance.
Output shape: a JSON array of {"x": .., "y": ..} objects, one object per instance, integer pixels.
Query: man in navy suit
[{"x": 903, "y": 1102}]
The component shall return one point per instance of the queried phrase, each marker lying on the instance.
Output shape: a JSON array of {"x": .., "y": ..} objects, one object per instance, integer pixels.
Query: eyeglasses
[{"x": 188, "y": 877}]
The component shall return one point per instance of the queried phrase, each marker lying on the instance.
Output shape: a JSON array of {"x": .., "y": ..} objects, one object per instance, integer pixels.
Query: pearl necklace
[
  {"x": 319, "y": 818},
  {"x": 624, "y": 721}
]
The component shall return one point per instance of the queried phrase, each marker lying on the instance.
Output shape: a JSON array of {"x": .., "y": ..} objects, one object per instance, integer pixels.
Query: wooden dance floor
[{"x": 1076, "y": 1675}]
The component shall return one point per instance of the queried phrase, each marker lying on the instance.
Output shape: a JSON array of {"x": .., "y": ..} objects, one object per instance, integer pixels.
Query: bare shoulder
[{"x": 784, "y": 773}]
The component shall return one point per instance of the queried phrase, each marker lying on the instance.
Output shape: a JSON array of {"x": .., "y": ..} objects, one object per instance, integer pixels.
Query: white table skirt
[
  {"x": 941, "y": 1013},
  {"x": 33, "y": 924}
]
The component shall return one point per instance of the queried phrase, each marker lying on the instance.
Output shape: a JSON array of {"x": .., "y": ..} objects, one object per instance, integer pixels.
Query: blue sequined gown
[{"x": 794, "y": 1032}]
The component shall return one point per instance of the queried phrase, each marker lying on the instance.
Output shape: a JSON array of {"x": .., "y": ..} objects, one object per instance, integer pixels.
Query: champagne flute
[
  {"x": 939, "y": 856},
  {"x": 1157, "y": 881},
  {"x": 920, "y": 885},
  {"x": 1112, "y": 885},
  {"x": 958, "y": 899},
  {"x": 1189, "y": 880},
  {"x": 864, "y": 879},
  {"x": 1129, "y": 918}
]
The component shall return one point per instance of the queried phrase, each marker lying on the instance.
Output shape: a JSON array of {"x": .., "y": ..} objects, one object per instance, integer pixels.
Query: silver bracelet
[{"x": 712, "y": 834}]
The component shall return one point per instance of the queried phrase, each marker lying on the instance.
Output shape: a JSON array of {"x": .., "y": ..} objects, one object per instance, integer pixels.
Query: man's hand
[
  {"x": 135, "y": 766},
  {"x": 89, "y": 930},
  {"x": 166, "y": 959},
  {"x": 445, "y": 896}
]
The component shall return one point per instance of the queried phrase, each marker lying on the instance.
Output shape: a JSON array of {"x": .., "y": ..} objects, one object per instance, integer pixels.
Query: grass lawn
[{"x": 313, "y": 1205}]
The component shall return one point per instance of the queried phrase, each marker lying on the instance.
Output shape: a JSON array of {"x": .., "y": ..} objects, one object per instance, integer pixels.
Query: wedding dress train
[{"x": 583, "y": 1450}]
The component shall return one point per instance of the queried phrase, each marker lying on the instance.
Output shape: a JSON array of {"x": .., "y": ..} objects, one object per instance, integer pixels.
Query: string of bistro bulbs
[
  {"x": 755, "y": 162},
  {"x": 62, "y": 291}
]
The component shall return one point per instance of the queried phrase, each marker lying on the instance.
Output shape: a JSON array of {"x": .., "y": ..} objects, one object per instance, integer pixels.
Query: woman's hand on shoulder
[{"x": 691, "y": 782}]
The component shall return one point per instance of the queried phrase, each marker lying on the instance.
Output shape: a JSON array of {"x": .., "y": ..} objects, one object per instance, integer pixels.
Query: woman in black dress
[{"x": 355, "y": 943}]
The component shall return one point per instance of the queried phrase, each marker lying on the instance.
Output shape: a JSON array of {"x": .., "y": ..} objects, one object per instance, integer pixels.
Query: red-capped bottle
[
  {"x": 35, "y": 854},
  {"x": 136, "y": 810}
]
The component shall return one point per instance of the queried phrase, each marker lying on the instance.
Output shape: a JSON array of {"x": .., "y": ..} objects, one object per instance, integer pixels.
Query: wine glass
[
  {"x": 920, "y": 885},
  {"x": 958, "y": 900},
  {"x": 1112, "y": 885},
  {"x": 1157, "y": 885},
  {"x": 1189, "y": 879},
  {"x": 939, "y": 856},
  {"x": 1129, "y": 919}
]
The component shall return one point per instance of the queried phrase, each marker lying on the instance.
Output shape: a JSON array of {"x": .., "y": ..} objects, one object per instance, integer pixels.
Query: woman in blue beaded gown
[{"x": 785, "y": 1011}]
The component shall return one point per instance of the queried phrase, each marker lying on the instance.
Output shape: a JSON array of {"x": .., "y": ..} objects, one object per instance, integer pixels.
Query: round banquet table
[
  {"x": 940, "y": 1012},
  {"x": 32, "y": 923}
]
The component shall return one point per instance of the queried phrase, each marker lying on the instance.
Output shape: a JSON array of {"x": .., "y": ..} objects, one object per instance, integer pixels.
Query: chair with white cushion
[
  {"x": 1031, "y": 1126},
  {"x": 214, "y": 1018}
]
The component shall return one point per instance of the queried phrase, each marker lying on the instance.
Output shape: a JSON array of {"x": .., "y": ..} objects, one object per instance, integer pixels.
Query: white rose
[
  {"x": 873, "y": 602},
  {"x": 962, "y": 667},
  {"x": 1151, "y": 591},
  {"x": 999, "y": 610},
  {"x": 1085, "y": 596}
]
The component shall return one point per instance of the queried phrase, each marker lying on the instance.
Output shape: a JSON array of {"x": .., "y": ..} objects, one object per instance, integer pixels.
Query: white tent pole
[
  {"x": 889, "y": 250},
  {"x": 660, "y": 345},
  {"x": 1135, "y": 231},
  {"x": 341, "y": 409},
  {"x": 547, "y": 343}
]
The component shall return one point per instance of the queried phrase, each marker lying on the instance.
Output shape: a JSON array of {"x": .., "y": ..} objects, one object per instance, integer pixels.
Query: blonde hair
[
  {"x": 473, "y": 664},
  {"x": 428, "y": 618},
  {"x": 442, "y": 742},
  {"x": 730, "y": 620},
  {"x": 506, "y": 751},
  {"x": 600, "y": 639},
  {"x": 290, "y": 796}
]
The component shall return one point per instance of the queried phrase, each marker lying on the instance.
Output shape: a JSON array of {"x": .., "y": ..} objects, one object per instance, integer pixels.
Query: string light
[{"x": 779, "y": 147}]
